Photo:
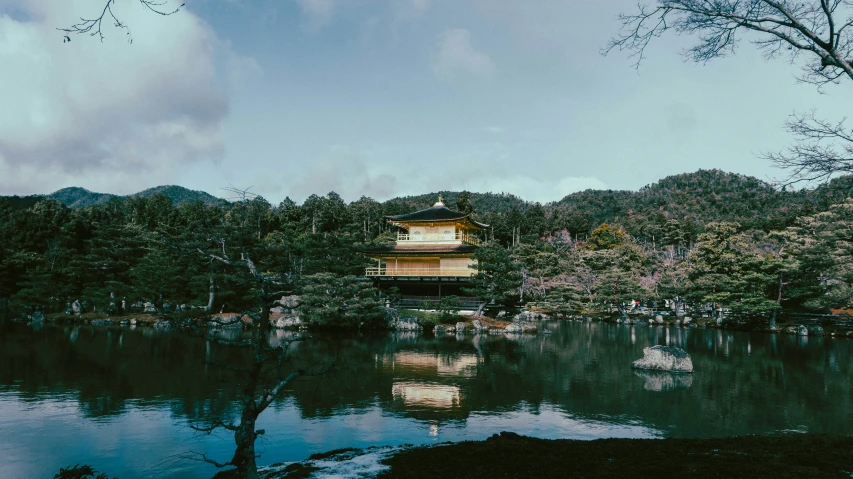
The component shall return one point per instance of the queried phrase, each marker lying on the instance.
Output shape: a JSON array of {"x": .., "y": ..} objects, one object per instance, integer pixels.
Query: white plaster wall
[{"x": 432, "y": 233}]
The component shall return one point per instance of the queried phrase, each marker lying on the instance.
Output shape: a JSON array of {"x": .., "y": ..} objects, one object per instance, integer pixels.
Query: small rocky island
[{"x": 664, "y": 358}]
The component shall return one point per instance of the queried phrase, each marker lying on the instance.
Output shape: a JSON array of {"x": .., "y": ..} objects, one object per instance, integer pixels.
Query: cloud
[
  {"x": 109, "y": 115},
  {"x": 349, "y": 172},
  {"x": 318, "y": 11},
  {"x": 355, "y": 171},
  {"x": 456, "y": 56},
  {"x": 419, "y": 5},
  {"x": 406, "y": 11}
]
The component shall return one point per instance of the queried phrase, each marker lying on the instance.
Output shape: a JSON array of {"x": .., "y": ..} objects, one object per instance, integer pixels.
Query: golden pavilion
[{"x": 432, "y": 256}]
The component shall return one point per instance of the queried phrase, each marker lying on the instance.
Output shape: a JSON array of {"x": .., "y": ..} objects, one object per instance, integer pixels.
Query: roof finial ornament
[{"x": 440, "y": 201}]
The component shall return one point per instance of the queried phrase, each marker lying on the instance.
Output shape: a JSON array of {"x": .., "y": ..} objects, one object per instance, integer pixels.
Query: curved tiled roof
[
  {"x": 438, "y": 212},
  {"x": 416, "y": 249}
]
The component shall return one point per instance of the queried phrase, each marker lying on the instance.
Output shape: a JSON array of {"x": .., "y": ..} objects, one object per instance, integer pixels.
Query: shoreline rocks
[{"x": 407, "y": 324}]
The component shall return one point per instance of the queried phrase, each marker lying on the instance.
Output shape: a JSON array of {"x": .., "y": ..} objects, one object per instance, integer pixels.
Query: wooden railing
[
  {"x": 427, "y": 272},
  {"x": 436, "y": 237}
]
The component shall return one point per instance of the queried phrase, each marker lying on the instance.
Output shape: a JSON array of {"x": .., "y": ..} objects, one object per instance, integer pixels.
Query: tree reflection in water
[{"x": 744, "y": 383}]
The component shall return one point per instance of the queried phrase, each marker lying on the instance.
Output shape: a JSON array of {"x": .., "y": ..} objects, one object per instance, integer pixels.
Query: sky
[{"x": 379, "y": 98}]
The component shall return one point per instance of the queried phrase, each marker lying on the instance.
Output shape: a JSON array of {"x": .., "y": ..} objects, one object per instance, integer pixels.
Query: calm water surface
[{"x": 123, "y": 399}]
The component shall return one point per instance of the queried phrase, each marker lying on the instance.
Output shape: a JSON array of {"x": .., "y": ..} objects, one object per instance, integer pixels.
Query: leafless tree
[
  {"x": 822, "y": 150},
  {"x": 94, "y": 26},
  {"x": 271, "y": 369},
  {"x": 820, "y": 32}
]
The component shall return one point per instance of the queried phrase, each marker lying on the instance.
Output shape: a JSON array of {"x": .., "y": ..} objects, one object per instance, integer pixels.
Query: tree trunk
[
  {"x": 679, "y": 308},
  {"x": 244, "y": 437},
  {"x": 244, "y": 455},
  {"x": 778, "y": 302},
  {"x": 212, "y": 296}
]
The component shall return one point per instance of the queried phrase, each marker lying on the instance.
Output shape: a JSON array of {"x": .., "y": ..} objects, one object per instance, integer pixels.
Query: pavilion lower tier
[{"x": 417, "y": 292}]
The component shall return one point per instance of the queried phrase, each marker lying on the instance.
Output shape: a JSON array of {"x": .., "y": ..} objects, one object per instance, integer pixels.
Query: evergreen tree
[
  {"x": 498, "y": 278},
  {"x": 328, "y": 300}
]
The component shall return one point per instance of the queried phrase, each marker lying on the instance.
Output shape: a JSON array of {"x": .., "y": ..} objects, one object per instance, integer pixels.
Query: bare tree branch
[
  {"x": 781, "y": 25},
  {"x": 93, "y": 26},
  {"x": 822, "y": 150},
  {"x": 213, "y": 426}
]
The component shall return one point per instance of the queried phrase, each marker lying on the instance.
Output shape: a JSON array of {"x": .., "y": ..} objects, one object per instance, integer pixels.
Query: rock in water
[
  {"x": 664, "y": 358},
  {"x": 802, "y": 330},
  {"x": 163, "y": 325},
  {"x": 460, "y": 327},
  {"x": 513, "y": 328},
  {"x": 478, "y": 326}
]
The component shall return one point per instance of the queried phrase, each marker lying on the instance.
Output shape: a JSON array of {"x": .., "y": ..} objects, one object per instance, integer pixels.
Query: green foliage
[
  {"x": 328, "y": 300},
  {"x": 822, "y": 246},
  {"x": 448, "y": 309},
  {"x": 422, "y": 316},
  {"x": 606, "y": 237},
  {"x": 79, "y": 472},
  {"x": 702, "y": 237},
  {"x": 463, "y": 202},
  {"x": 498, "y": 277}
]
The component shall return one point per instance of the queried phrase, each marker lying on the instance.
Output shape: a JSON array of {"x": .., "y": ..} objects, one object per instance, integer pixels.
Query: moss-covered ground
[{"x": 512, "y": 456}]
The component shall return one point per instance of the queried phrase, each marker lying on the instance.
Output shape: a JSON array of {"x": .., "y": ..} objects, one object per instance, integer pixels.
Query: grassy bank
[{"x": 510, "y": 455}]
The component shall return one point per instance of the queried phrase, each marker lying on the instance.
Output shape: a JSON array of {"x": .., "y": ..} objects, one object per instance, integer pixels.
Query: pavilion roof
[
  {"x": 437, "y": 213},
  {"x": 419, "y": 249}
]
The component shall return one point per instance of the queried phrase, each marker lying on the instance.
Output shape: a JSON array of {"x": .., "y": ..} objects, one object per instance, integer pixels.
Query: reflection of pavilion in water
[
  {"x": 427, "y": 385},
  {"x": 433, "y": 364}
]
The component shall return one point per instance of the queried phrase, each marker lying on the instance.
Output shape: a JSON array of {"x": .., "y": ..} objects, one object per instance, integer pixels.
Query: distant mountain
[
  {"x": 75, "y": 197},
  {"x": 180, "y": 195},
  {"x": 704, "y": 195}
]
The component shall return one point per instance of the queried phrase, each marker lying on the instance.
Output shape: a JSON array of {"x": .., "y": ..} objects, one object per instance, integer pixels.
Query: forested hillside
[
  {"x": 704, "y": 238},
  {"x": 75, "y": 197}
]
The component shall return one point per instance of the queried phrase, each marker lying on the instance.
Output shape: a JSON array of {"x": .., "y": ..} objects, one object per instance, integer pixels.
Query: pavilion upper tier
[
  {"x": 437, "y": 242},
  {"x": 436, "y": 225}
]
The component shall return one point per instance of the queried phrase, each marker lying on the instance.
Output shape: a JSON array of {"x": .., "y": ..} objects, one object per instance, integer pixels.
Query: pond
[{"x": 123, "y": 399}]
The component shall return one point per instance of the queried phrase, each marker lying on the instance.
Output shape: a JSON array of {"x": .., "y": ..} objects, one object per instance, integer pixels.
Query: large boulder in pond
[
  {"x": 478, "y": 326},
  {"x": 460, "y": 327},
  {"x": 664, "y": 358}
]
